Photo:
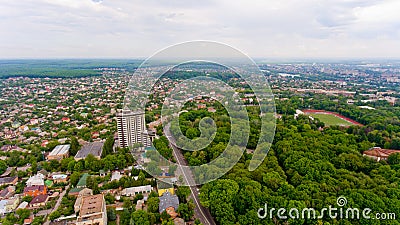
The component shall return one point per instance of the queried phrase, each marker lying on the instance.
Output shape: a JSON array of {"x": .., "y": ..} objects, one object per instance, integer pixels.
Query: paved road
[
  {"x": 58, "y": 203},
  {"x": 44, "y": 212},
  {"x": 202, "y": 213}
]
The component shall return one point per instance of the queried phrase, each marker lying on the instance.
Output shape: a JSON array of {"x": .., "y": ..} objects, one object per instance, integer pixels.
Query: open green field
[{"x": 330, "y": 119}]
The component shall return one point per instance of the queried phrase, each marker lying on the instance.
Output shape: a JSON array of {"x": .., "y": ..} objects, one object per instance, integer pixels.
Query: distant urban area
[{"x": 71, "y": 152}]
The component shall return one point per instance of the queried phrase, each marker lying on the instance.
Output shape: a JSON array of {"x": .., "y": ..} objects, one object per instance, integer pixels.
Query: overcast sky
[{"x": 259, "y": 28}]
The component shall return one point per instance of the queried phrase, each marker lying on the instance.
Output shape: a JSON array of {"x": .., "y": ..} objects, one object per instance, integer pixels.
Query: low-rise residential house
[
  {"x": 39, "y": 201},
  {"x": 8, "y": 148},
  {"x": 23, "y": 128},
  {"x": 28, "y": 221},
  {"x": 7, "y": 172},
  {"x": 169, "y": 203},
  {"x": 163, "y": 187},
  {"x": 44, "y": 173},
  {"x": 7, "y": 192},
  {"x": 38, "y": 131},
  {"x": 95, "y": 134},
  {"x": 60, "y": 178},
  {"x": 211, "y": 109},
  {"x": 12, "y": 204},
  {"x": 3, "y": 210},
  {"x": 132, "y": 191},
  {"x": 15, "y": 124},
  {"x": 116, "y": 175},
  {"x": 8, "y": 181},
  {"x": 44, "y": 143},
  {"x": 9, "y": 135},
  {"x": 62, "y": 140},
  {"x": 34, "y": 121},
  {"x": 23, "y": 205},
  {"x": 82, "y": 181},
  {"x": 24, "y": 168},
  {"x": 36, "y": 180},
  {"x": 35, "y": 190},
  {"x": 379, "y": 154}
]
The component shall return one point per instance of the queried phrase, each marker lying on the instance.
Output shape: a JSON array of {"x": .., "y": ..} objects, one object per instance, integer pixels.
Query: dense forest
[
  {"x": 306, "y": 167},
  {"x": 66, "y": 68}
]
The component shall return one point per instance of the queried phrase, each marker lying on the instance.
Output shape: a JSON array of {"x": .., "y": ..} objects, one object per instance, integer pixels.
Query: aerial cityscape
[
  {"x": 71, "y": 154},
  {"x": 200, "y": 112}
]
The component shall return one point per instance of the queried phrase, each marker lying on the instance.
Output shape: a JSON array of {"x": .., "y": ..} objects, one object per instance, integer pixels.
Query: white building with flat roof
[{"x": 137, "y": 190}]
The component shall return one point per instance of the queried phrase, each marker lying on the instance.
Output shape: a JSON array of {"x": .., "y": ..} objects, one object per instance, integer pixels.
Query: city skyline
[{"x": 137, "y": 29}]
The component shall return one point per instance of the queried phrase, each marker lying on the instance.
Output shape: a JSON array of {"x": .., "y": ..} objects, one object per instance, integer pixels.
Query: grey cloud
[{"x": 119, "y": 28}]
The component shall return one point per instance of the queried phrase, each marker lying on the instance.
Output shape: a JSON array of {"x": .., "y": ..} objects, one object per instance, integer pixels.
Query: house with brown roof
[
  {"x": 8, "y": 181},
  {"x": 7, "y": 192},
  {"x": 38, "y": 201},
  {"x": 7, "y": 172},
  {"x": 35, "y": 190},
  {"x": 379, "y": 154}
]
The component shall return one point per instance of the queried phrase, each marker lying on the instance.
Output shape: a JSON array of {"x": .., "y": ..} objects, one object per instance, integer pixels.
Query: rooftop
[
  {"x": 39, "y": 199},
  {"x": 59, "y": 176},
  {"x": 82, "y": 180},
  {"x": 93, "y": 148},
  {"x": 91, "y": 204},
  {"x": 6, "y": 180},
  {"x": 168, "y": 200},
  {"x": 140, "y": 189},
  {"x": 33, "y": 188},
  {"x": 165, "y": 183},
  {"x": 60, "y": 150},
  {"x": 380, "y": 152}
]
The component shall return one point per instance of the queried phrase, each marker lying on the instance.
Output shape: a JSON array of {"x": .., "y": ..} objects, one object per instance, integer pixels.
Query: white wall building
[
  {"x": 36, "y": 180},
  {"x": 132, "y": 129}
]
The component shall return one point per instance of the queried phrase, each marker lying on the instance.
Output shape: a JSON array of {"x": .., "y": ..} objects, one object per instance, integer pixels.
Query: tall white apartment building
[{"x": 132, "y": 129}]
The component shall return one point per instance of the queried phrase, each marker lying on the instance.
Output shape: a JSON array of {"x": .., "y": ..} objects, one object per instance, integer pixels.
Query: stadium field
[{"x": 330, "y": 119}]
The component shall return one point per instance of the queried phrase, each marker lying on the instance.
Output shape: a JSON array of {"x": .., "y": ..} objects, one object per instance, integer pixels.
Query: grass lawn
[{"x": 330, "y": 120}]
